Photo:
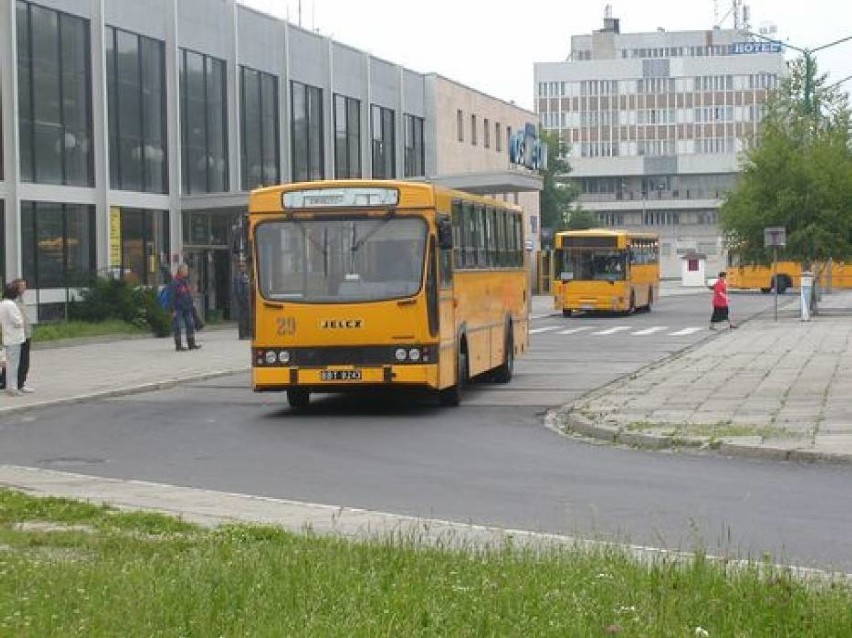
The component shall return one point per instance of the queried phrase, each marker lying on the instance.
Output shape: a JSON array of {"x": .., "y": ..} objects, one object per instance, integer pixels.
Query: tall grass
[{"x": 71, "y": 569}]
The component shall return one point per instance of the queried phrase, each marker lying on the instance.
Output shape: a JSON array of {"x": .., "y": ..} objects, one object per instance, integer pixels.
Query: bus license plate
[{"x": 340, "y": 375}]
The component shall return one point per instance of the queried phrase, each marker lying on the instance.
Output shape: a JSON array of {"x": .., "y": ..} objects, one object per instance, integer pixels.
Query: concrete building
[
  {"x": 656, "y": 123},
  {"x": 132, "y": 130}
]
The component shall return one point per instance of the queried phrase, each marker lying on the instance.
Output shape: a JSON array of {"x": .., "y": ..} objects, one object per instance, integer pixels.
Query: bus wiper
[{"x": 356, "y": 245}]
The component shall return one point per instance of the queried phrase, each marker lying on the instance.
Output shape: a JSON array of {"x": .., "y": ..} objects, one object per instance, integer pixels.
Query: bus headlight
[
  {"x": 400, "y": 354},
  {"x": 414, "y": 354},
  {"x": 271, "y": 357},
  {"x": 284, "y": 356}
]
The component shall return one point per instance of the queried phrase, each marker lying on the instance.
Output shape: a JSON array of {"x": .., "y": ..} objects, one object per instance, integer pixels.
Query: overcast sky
[{"x": 487, "y": 47}]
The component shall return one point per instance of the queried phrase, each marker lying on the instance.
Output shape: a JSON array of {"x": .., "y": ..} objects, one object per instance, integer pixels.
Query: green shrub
[{"x": 108, "y": 298}]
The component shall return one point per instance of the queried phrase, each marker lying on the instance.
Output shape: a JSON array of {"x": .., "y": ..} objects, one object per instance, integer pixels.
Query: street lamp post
[{"x": 808, "y": 55}]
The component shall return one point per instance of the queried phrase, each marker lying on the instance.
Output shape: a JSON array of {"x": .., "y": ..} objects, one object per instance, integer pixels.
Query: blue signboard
[
  {"x": 526, "y": 149},
  {"x": 739, "y": 48}
]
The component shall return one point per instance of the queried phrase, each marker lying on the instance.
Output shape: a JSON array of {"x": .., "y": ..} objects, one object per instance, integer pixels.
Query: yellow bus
[
  {"x": 604, "y": 269},
  {"x": 383, "y": 284},
  {"x": 788, "y": 274}
]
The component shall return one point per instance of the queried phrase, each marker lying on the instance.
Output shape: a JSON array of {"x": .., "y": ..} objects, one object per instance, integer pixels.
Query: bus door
[{"x": 446, "y": 305}]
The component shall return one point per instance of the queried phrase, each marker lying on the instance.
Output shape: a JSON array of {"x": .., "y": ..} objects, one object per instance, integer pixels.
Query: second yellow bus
[{"x": 605, "y": 270}]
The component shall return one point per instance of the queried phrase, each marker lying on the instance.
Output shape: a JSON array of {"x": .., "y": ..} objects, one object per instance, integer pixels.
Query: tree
[
  {"x": 579, "y": 219},
  {"x": 798, "y": 175},
  {"x": 558, "y": 191}
]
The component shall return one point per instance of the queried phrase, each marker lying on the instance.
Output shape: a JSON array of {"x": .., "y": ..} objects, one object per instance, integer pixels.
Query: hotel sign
[{"x": 739, "y": 48}]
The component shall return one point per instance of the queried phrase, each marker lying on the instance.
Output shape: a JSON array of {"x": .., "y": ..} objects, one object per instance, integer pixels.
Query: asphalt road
[{"x": 490, "y": 461}]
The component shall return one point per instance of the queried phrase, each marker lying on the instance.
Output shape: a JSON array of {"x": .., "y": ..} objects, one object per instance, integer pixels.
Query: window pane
[
  {"x": 195, "y": 124},
  {"x": 217, "y": 140},
  {"x": 153, "y": 115},
  {"x": 49, "y": 244},
  {"x": 76, "y": 102},
  {"x": 315, "y": 154},
  {"x": 80, "y": 242},
  {"x": 270, "y": 136},
  {"x": 25, "y": 114},
  {"x": 353, "y": 118},
  {"x": 300, "y": 132},
  {"x": 129, "y": 110},
  {"x": 251, "y": 142},
  {"x": 47, "y": 127}
]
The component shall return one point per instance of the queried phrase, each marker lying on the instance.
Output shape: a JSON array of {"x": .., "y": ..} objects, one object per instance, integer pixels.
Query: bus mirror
[{"x": 445, "y": 233}]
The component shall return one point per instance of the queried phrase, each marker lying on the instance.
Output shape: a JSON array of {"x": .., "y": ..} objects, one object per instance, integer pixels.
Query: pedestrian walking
[
  {"x": 180, "y": 304},
  {"x": 2, "y": 365},
  {"x": 721, "y": 310},
  {"x": 242, "y": 296},
  {"x": 24, "y": 363},
  {"x": 14, "y": 335}
]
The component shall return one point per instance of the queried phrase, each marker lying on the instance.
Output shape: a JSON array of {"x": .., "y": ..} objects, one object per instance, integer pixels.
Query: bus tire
[
  {"x": 650, "y": 300},
  {"x": 451, "y": 397},
  {"x": 566, "y": 313},
  {"x": 298, "y": 398},
  {"x": 504, "y": 373}
]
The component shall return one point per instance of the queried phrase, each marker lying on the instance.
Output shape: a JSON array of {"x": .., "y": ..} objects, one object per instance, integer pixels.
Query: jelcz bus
[
  {"x": 605, "y": 270},
  {"x": 383, "y": 284}
]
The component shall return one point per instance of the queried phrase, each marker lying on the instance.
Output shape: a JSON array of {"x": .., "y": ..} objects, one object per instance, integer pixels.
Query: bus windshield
[
  {"x": 592, "y": 265},
  {"x": 340, "y": 260}
]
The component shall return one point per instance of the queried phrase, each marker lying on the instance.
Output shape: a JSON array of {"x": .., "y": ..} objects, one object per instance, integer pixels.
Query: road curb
[
  {"x": 116, "y": 392},
  {"x": 567, "y": 421}
]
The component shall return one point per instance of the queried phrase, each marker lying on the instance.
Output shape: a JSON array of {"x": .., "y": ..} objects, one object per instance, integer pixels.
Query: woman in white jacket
[{"x": 12, "y": 325}]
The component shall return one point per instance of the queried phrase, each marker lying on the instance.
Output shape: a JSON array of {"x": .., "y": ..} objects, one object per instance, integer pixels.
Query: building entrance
[
  {"x": 210, "y": 278},
  {"x": 207, "y": 238}
]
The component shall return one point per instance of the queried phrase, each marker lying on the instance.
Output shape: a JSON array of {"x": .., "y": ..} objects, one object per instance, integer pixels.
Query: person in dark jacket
[
  {"x": 242, "y": 294},
  {"x": 180, "y": 303}
]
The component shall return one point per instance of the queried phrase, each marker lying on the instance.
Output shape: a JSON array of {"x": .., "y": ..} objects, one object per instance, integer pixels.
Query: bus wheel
[
  {"x": 566, "y": 313},
  {"x": 451, "y": 397},
  {"x": 503, "y": 374},
  {"x": 650, "y": 299},
  {"x": 298, "y": 399}
]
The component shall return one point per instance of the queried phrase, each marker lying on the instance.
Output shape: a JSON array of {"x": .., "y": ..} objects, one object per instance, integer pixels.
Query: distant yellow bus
[
  {"x": 383, "y": 284},
  {"x": 605, "y": 270},
  {"x": 788, "y": 275}
]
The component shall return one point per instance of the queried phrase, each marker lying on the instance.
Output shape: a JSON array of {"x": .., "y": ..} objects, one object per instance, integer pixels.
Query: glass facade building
[{"x": 132, "y": 130}]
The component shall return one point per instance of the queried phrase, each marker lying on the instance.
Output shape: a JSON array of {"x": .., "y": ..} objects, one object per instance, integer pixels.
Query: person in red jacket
[{"x": 720, "y": 303}]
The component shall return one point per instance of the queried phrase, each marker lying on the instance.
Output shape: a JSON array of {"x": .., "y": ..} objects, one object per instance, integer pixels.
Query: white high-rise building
[{"x": 655, "y": 124}]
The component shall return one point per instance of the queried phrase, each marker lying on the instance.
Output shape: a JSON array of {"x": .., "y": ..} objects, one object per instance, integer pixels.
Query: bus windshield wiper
[{"x": 356, "y": 245}]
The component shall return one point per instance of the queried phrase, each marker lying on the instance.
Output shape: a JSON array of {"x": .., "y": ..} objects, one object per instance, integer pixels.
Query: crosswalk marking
[
  {"x": 571, "y": 331},
  {"x": 617, "y": 329},
  {"x": 685, "y": 331},
  {"x": 544, "y": 329},
  {"x": 649, "y": 331},
  {"x": 611, "y": 331}
]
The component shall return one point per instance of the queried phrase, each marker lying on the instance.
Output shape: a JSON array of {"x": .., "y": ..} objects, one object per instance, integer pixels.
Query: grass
[
  {"x": 69, "y": 568},
  {"x": 77, "y": 329}
]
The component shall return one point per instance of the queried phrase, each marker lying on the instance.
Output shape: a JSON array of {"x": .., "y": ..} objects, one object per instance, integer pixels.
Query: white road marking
[
  {"x": 571, "y": 331},
  {"x": 610, "y": 331},
  {"x": 649, "y": 331},
  {"x": 685, "y": 331},
  {"x": 544, "y": 329}
]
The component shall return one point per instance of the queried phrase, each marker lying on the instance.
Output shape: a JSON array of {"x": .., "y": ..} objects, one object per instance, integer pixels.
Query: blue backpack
[{"x": 163, "y": 298}]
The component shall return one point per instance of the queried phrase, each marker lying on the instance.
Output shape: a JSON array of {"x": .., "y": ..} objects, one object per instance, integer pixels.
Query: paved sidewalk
[
  {"x": 772, "y": 389},
  {"x": 72, "y": 373}
]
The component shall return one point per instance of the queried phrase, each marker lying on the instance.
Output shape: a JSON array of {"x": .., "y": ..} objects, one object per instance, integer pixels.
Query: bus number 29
[{"x": 286, "y": 325}]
